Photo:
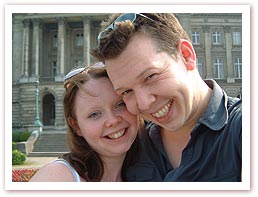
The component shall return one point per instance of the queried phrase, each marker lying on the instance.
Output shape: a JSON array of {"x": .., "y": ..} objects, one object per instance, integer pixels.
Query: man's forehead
[
  {"x": 120, "y": 78},
  {"x": 117, "y": 74}
]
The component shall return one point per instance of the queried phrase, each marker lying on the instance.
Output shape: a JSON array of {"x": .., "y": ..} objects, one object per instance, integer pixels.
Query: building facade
[{"x": 47, "y": 46}]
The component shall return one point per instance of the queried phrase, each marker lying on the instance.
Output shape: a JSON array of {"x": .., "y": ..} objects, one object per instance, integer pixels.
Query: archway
[{"x": 49, "y": 112}]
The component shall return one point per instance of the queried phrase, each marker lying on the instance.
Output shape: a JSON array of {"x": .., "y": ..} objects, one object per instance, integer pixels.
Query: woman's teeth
[
  {"x": 164, "y": 111},
  {"x": 117, "y": 134}
]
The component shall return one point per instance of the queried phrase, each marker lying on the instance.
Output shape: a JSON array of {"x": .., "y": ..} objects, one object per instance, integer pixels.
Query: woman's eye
[
  {"x": 120, "y": 104},
  {"x": 151, "y": 76},
  {"x": 94, "y": 115}
]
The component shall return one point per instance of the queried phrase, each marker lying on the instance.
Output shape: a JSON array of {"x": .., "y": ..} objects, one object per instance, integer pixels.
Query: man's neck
[{"x": 175, "y": 141}]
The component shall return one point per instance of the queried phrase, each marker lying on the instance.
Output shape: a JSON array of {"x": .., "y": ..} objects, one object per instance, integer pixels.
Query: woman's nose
[{"x": 113, "y": 120}]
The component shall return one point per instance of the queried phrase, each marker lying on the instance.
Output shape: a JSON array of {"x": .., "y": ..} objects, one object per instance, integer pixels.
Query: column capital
[
  {"x": 206, "y": 28},
  {"x": 86, "y": 19},
  {"x": 36, "y": 21},
  {"x": 227, "y": 29},
  {"x": 26, "y": 22},
  {"x": 60, "y": 20}
]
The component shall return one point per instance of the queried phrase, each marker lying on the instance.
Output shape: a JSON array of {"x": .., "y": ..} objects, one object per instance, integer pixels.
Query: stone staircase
[{"x": 50, "y": 144}]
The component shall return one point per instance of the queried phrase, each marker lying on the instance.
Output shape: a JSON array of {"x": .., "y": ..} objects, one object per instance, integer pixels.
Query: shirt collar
[{"x": 216, "y": 116}]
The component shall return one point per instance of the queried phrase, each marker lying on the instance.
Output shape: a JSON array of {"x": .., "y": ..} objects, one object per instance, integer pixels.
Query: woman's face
[{"x": 103, "y": 119}]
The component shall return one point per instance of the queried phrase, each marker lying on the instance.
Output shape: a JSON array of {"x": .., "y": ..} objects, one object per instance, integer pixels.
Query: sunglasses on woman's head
[
  {"x": 124, "y": 17},
  {"x": 77, "y": 71}
]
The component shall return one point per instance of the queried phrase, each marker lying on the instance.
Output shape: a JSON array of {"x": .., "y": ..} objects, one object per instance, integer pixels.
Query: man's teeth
[
  {"x": 117, "y": 134},
  {"x": 164, "y": 111}
]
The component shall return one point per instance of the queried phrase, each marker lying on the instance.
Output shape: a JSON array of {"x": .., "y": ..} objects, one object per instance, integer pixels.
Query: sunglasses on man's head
[
  {"x": 124, "y": 17},
  {"x": 77, "y": 71}
]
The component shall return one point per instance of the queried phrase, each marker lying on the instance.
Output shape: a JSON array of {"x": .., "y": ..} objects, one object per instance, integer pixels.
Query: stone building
[{"x": 47, "y": 46}]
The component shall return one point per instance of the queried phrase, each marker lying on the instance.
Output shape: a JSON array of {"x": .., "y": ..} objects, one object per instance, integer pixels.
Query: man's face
[{"x": 151, "y": 83}]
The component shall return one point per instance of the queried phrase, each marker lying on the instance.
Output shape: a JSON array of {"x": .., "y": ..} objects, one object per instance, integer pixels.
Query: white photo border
[{"x": 244, "y": 9}]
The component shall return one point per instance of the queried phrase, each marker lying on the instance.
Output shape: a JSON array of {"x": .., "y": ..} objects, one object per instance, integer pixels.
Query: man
[{"x": 193, "y": 124}]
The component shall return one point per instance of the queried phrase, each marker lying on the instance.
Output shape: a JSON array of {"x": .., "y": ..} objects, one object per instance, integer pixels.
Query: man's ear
[
  {"x": 188, "y": 54},
  {"x": 72, "y": 123}
]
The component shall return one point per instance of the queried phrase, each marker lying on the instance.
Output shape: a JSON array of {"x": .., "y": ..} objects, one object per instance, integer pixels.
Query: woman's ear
[
  {"x": 188, "y": 54},
  {"x": 72, "y": 123}
]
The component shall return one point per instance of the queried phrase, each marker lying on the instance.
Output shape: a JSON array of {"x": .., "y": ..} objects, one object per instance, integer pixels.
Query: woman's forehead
[{"x": 97, "y": 87}]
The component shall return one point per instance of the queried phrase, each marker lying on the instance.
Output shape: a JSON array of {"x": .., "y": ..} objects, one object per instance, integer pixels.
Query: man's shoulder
[
  {"x": 234, "y": 125},
  {"x": 234, "y": 108},
  {"x": 233, "y": 102}
]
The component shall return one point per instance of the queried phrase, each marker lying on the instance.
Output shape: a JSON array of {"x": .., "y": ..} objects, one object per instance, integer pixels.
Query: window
[
  {"x": 200, "y": 66},
  {"x": 196, "y": 37},
  {"x": 53, "y": 68},
  {"x": 238, "y": 68},
  {"x": 218, "y": 68},
  {"x": 54, "y": 41},
  {"x": 78, "y": 63},
  {"x": 237, "y": 38},
  {"x": 216, "y": 38},
  {"x": 79, "y": 39}
]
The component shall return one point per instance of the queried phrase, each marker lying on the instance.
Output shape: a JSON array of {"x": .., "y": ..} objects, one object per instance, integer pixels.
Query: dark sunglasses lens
[{"x": 124, "y": 17}]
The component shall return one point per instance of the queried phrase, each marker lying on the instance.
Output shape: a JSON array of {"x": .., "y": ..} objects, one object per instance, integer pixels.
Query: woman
[{"x": 101, "y": 131}]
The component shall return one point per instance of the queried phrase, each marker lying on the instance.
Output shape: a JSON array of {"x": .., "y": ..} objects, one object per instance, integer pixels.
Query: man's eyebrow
[
  {"x": 117, "y": 89},
  {"x": 136, "y": 78},
  {"x": 143, "y": 72}
]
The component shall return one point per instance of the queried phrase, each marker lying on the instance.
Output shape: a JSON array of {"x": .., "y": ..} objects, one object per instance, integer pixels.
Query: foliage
[
  {"x": 24, "y": 136},
  {"x": 20, "y": 136},
  {"x": 23, "y": 175},
  {"x": 15, "y": 136},
  {"x": 13, "y": 145},
  {"x": 18, "y": 157}
]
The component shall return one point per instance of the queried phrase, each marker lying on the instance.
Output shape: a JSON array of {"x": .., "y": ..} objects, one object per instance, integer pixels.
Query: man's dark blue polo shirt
[{"x": 214, "y": 152}]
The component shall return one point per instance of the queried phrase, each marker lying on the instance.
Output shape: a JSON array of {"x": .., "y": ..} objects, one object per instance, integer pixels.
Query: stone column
[
  {"x": 185, "y": 22},
  {"x": 35, "y": 48},
  {"x": 208, "y": 59},
  {"x": 60, "y": 49},
  {"x": 25, "y": 55},
  {"x": 86, "y": 40},
  {"x": 230, "y": 67}
]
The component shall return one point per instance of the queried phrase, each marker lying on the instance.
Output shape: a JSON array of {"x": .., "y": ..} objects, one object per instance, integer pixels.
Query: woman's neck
[{"x": 112, "y": 169}]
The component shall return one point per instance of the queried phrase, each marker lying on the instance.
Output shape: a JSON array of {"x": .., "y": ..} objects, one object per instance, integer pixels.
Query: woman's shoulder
[{"x": 56, "y": 171}]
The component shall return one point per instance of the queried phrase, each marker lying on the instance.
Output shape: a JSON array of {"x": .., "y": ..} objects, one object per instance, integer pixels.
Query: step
[
  {"x": 45, "y": 154},
  {"x": 50, "y": 143}
]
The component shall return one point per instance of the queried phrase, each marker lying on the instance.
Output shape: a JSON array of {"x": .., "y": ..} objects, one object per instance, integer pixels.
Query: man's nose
[{"x": 144, "y": 99}]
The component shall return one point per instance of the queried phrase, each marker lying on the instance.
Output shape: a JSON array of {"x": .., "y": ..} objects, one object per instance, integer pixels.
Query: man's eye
[
  {"x": 151, "y": 76},
  {"x": 125, "y": 92}
]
